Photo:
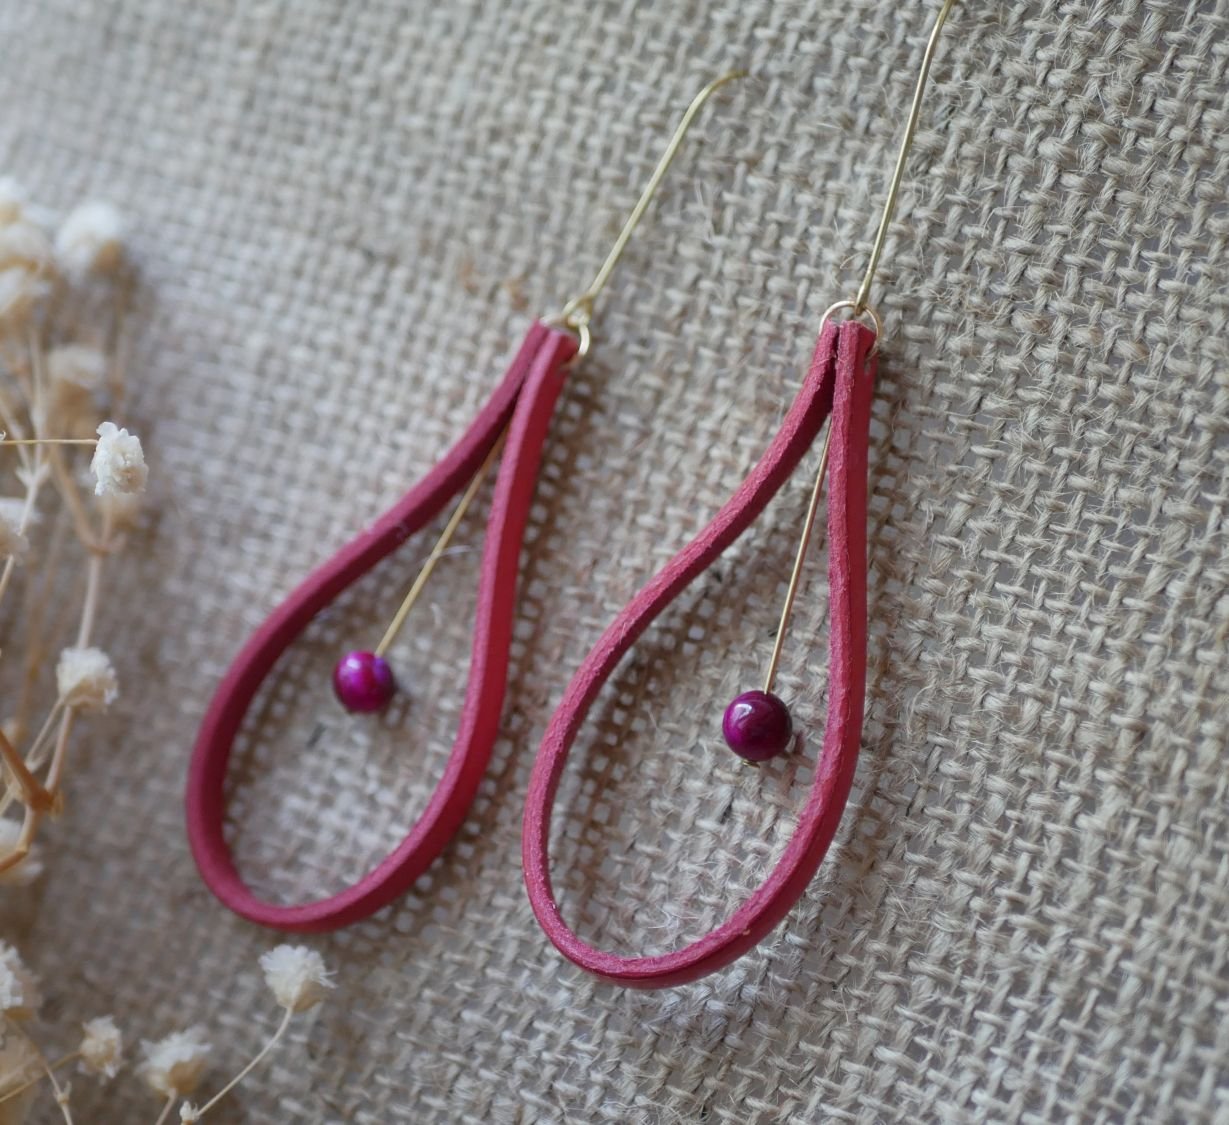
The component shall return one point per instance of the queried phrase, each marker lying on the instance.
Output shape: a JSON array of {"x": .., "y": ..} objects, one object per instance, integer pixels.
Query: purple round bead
[
  {"x": 363, "y": 682},
  {"x": 757, "y": 726}
]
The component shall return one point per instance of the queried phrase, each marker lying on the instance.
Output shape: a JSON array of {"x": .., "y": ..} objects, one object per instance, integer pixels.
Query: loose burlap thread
[{"x": 344, "y": 216}]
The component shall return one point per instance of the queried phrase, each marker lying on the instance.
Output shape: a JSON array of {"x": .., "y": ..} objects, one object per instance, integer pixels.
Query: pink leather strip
[
  {"x": 526, "y": 397},
  {"x": 840, "y": 380}
]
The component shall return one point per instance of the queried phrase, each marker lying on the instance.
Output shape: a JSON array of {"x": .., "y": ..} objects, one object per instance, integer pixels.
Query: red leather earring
[
  {"x": 757, "y": 724},
  {"x": 510, "y": 431}
]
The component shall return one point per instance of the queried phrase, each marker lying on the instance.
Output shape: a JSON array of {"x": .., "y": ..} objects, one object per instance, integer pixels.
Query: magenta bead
[
  {"x": 363, "y": 682},
  {"x": 757, "y": 726}
]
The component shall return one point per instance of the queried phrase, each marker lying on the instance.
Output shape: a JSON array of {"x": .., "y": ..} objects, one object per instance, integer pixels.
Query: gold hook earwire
[
  {"x": 898, "y": 173},
  {"x": 575, "y": 316},
  {"x": 577, "y": 313},
  {"x": 858, "y": 306}
]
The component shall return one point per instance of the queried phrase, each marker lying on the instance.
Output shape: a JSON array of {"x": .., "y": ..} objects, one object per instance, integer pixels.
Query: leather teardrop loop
[
  {"x": 523, "y": 402},
  {"x": 840, "y": 380}
]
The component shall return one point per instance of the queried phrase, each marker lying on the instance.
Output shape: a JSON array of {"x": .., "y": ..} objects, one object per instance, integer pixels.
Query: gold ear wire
[
  {"x": 898, "y": 173},
  {"x": 858, "y": 306},
  {"x": 578, "y": 312},
  {"x": 575, "y": 315}
]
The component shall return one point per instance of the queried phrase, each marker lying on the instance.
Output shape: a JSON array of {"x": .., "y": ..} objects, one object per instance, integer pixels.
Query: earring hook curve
[{"x": 577, "y": 313}]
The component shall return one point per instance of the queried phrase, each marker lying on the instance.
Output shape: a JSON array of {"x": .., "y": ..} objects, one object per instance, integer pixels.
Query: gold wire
[
  {"x": 441, "y": 545},
  {"x": 898, "y": 174},
  {"x": 577, "y": 313},
  {"x": 800, "y": 555},
  {"x": 859, "y": 307}
]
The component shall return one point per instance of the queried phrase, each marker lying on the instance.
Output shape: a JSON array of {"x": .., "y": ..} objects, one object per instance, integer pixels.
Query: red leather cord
[
  {"x": 523, "y": 401},
  {"x": 840, "y": 381}
]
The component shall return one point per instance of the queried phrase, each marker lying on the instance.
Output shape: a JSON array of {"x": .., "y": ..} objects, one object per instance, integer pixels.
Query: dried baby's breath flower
[
  {"x": 24, "y": 245},
  {"x": 85, "y": 678},
  {"x": 102, "y": 1047},
  {"x": 77, "y": 363},
  {"x": 77, "y": 366},
  {"x": 174, "y": 1066},
  {"x": 13, "y": 541},
  {"x": 12, "y": 199},
  {"x": 91, "y": 240},
  {"x": 19, "y": 996},
  {"x": 119, "y": 462},
  {"x": 297, "y": 976},
  {"x": 24, "y": 873},
  {"x": 20, "y": 294}
]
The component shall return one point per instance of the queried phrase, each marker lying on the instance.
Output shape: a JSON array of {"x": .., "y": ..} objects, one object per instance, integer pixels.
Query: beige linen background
[{"x": 344, "y": 216}]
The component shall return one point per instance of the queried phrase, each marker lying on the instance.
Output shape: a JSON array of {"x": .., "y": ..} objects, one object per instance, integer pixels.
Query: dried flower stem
[
  {"x": 168, "y": 1105},
  {"x": 32, "y": 790},
  {"x": 49, "y": 441},
  {"x": 72, "y": 498},
  {"x": 89, "y": 607},
  {"x": 34, "y": 480},
  {"x": 61, "y": 752},
  {"x": 60, "y": 1062},
  {"x": 119, "y": 467},
  {"x": 25, "y": 840},
  {"x": 61, "y": 1095},
  {"x": 255, "y": 1062},
  {"x": 36, "y": 754}
]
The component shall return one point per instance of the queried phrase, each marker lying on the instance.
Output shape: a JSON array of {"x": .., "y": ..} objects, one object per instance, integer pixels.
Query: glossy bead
[
  {"x": 757, "y": 726},
  {"x": 363, "y": 682}
]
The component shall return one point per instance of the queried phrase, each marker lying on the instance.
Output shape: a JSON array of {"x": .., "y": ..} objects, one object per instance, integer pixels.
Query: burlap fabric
[{"x": 345, "y": 214}]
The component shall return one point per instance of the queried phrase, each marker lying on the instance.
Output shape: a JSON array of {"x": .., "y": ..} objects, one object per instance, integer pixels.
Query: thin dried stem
[
  {"x": 256, "y": 1061},
  {"x": 61, "y": 1095},
  {"x": 34, "y": 481},
  {"x": 56, "y": 772},
  {"x": 39, "y": 641},
  {"x": 89, "y": 606},
  {"x": 34, "y": 755},
  {"x": 166, "y": 1109},
  {"x": 24, "y": 841},
  {"x": 32, "y": 791},
  {"x": 64, "y": 1061},
  {"x": 48, "y": 441},
  {"x": 72, "y": 498}
]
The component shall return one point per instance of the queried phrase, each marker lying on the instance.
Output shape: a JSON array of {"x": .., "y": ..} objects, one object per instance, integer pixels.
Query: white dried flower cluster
[
  {"x": 12, "y": 199},
  {"x": 20, "y": 874},
  {"x": 102, "y": 1048},
  {"x": 91, "y": 240},
  {"x": 119, "y": 462},
  {"x": 27, "y": 265},
  {"x": 297, "y": 976},
  {"x": 171, "y": 1067},
  {"x": 19, "y": 996},
  {"x": 13, "y": 541},
  {"x": 21, "y": 292},
  {"x": 176, "y": 1064},
  {"x": 24, "y": 245},
  {"x": 85, "y": 679}
]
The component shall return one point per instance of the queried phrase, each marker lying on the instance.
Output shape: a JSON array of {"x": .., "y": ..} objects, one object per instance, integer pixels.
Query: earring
[
  {"x": 510, "y": 430},
  {"x": 757, "y": 725}
]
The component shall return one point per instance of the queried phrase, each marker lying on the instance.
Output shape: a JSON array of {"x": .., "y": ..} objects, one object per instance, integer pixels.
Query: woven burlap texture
[{"x": 344, "y": 216}]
